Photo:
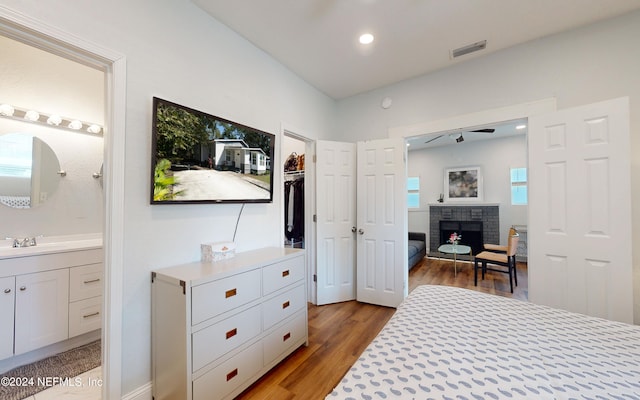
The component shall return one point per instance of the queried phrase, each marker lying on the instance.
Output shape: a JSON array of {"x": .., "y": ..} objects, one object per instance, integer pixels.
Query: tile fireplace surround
[{"x": 488, "y": 214}]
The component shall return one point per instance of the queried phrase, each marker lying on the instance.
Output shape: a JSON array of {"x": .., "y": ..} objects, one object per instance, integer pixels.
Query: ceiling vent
[{"x": 470, "y": 48}]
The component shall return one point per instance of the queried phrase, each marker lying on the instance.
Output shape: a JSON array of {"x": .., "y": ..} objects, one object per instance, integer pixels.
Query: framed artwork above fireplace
[{"x": 463, "y": 184}]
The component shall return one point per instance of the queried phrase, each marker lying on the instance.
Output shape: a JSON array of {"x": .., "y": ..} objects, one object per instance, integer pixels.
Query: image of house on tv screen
[{"x": 204, "y": 158}]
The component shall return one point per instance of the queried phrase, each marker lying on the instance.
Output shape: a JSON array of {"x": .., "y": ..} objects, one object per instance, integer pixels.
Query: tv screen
[{"x": 201, "y": 158}]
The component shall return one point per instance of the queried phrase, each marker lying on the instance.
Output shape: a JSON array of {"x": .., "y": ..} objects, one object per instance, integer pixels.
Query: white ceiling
[
  {"x": 318, "y": 39},
  {"x": 500, "y": 130}
]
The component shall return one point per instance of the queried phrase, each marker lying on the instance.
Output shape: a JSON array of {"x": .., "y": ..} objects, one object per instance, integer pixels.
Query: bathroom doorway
[
  {"x": 51, "y": 190},
  {"x": 43, "y": 36}
]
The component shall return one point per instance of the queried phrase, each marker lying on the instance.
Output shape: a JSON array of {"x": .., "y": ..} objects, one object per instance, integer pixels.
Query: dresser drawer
[
  {"x": 278, "y": 275},
  {"x": 228, "y": 376},
  {"x": 85, "y": 281},
  {"x": 217, "y": 297},
  {"x": 283, "y": 306},
  {"x": 85, "y": 316},
  {"x": 224, "y": 336},
  {"x": 285, "y": 336}
]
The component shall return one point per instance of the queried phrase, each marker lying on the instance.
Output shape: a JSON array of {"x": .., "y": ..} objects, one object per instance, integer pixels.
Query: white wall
[
  {"x": 495, "y": 157},
  {"x": 177, "y": 52},
  {"x": 583, "y": 66}
]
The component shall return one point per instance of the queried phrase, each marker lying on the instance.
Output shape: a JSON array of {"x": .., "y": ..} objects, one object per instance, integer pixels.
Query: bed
[{"x": 452, "y": 343}]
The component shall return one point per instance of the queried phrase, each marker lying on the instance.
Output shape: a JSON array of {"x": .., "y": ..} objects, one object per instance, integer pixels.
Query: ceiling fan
[{"x": 460, "y": 138}]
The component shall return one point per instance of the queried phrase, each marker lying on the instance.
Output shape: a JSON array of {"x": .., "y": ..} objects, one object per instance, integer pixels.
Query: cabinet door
[
  {"x": 42, "y": 309},
  {"x": 7, "y": 298}
]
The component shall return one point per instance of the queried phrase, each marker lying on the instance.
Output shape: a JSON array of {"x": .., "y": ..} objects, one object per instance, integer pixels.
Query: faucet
[{"x": 26, "y": 242}]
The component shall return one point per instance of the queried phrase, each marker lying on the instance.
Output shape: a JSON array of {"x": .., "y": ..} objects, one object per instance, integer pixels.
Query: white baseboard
[{"x": 141, "y": 393}]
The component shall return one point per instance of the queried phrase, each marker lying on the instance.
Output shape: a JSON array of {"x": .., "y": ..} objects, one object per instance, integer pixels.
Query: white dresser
[{"x": 217, "y": 327}]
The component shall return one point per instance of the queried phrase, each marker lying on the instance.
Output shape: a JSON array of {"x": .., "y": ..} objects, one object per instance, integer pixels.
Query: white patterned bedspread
[{"x": 451, "y": 343}]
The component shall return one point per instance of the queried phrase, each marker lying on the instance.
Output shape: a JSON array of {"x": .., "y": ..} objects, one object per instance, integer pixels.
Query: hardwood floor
[{"x": 338, "y": 333}]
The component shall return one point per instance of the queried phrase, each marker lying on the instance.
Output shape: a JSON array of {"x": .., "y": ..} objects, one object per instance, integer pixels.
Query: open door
[
  {"x": 579, "y": 210},
  {"x": 373, "y": 238},
  {"x": 336, "y": 219},
  {"x": 382, "y": 271}
]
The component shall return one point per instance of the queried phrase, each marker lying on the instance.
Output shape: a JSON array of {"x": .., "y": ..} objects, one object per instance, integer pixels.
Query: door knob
[
  {"x": 353, "y": 229},
  {"x": 360, "y": 231}
]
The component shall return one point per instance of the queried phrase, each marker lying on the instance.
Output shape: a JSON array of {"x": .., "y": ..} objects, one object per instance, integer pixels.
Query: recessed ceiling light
[
  {"x": 366, "y": 38},
  {"x": 521, "y": 126}
]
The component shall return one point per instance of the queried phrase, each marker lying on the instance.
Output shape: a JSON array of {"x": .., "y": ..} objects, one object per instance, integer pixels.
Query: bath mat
[{"x": 22, "y": 382}]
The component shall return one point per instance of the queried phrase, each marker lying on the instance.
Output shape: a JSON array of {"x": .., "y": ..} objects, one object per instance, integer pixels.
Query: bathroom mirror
[{"x": 29, "y": 170}]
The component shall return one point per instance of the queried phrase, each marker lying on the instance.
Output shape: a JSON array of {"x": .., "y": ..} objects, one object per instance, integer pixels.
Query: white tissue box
[{"x": 217, "y": 251}]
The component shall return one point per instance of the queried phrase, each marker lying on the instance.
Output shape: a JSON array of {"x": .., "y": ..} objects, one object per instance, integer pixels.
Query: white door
[
  {"x": 382, "y": 272},
  {"x": 580, "y": 210},
  {"x": 336, "y": 217},
  {"x": 42, "y": 309}
]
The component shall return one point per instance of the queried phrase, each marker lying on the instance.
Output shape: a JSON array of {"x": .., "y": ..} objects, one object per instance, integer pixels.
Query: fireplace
[
  {"x": 478, "y": 224},
  {"x": 471, "y": 232}
]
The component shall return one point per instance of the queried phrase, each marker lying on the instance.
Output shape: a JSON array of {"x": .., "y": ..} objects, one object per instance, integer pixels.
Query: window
[
  {"x": 518, "y": 186},
  {"x": 413, "y": 192}
]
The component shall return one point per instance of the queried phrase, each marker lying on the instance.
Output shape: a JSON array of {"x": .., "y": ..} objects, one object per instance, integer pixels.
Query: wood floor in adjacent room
[{"x": 338, "y": 333}]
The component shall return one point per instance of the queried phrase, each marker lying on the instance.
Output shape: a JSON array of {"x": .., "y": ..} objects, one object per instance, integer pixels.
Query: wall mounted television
[{"x": 201, "y": 158}]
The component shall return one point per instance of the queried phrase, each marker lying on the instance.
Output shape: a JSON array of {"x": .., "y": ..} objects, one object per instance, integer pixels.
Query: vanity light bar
[{"x": 23, "y": 114}]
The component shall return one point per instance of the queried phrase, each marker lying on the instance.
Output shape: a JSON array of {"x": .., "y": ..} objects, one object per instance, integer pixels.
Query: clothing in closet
[{"x": 294, "y": 209}]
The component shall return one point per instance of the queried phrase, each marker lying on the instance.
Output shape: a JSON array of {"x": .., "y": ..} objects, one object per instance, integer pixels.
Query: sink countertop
[{"x": 51, "y": 244}]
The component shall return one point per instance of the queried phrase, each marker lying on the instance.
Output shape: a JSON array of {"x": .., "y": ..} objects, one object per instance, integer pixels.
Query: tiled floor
[{"x": 87, "y": 386}]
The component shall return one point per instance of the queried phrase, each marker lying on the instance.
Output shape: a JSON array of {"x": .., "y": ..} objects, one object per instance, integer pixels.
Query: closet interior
[{"x": 294, "y": 216}]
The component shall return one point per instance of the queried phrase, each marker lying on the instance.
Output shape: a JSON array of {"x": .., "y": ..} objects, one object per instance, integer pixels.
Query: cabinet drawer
[
  {"x": 218, "y": 339},
  {"x": 228, "y": 376},
  {"x": 85, "y": 282},
  {"x": 283, "y": 306},
  {"x": 285, "y": 336},
  {"x": 217, "y": 297},
  {"x": 278, "y": 275},
  {"x": 85, "y": 316}
]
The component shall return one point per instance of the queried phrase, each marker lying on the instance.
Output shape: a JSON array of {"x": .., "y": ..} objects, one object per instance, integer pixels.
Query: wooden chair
[
  {"x": 506, "y": 259},
  {"x": 500, "y": 248}
]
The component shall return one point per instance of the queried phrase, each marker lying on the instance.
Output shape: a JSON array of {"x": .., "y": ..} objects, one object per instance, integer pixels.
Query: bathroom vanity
[{"x": 49, "y": 293}]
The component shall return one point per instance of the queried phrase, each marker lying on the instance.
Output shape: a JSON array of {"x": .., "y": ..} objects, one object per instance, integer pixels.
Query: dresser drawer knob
[
  {"x": 232, "y": 333},
  {"x": 286, "y": 337},
  {"x": 285, "y": 273},
  {"x": 232, "y": 374},
  {"x": 230, "y": 293},
  {"x": 285, "y": 304}
]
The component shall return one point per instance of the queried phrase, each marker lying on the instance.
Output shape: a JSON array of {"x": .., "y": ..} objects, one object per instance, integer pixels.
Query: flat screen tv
[{"x": 201, "y": 158}]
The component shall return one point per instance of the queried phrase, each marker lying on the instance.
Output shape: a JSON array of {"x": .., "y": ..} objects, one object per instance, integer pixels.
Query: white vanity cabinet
[
  {"x": 47, "y": 299},
  {"x": 7, "y": 304},
  {"x": 218, "y": 326},
  {"x": 42, "y": 303}
]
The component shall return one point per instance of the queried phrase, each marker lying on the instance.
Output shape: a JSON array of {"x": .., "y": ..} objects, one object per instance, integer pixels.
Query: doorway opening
[
  {"x": 496, "y": 148},
  {"x": 38, "y": 34},
  {"x": 298, "y": 194}
]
